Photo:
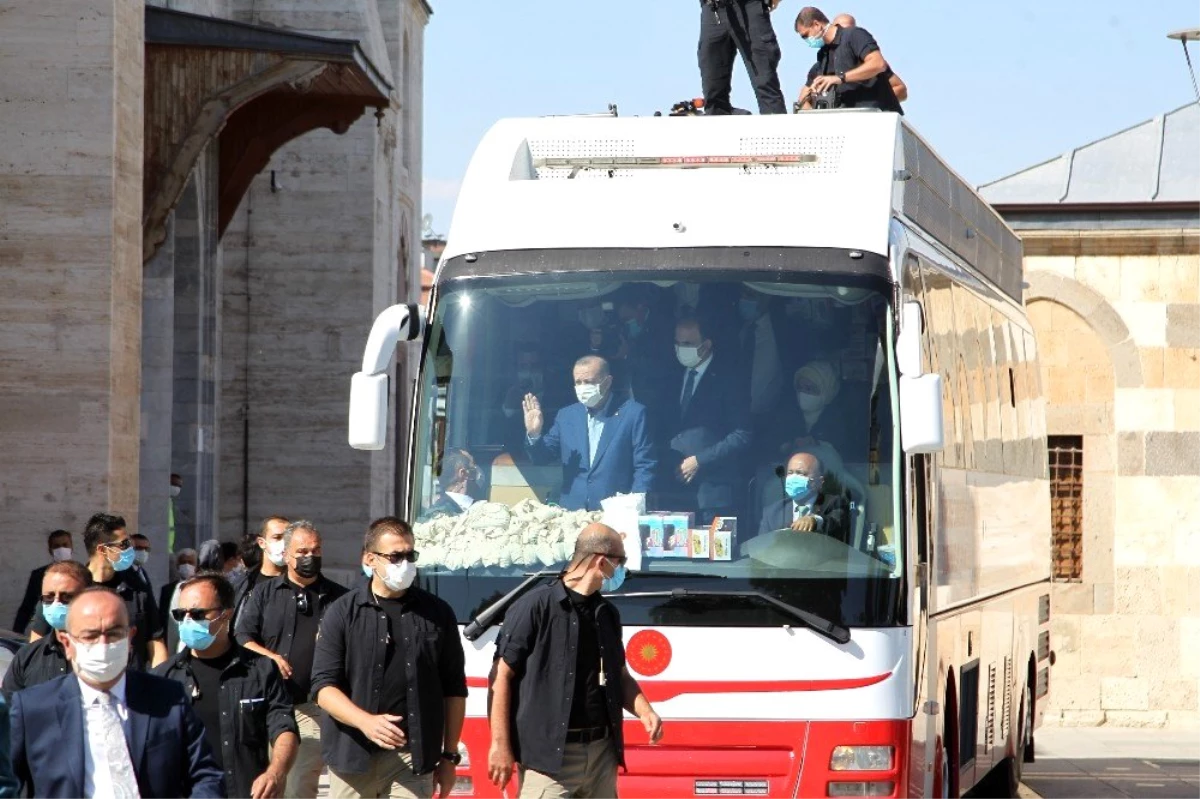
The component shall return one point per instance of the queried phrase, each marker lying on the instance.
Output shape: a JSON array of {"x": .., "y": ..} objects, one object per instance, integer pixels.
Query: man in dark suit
[
  {"x": 59, "y": 544},
  {"x": 104, "y": 731},
  {"x": 806, "y": 509},
  {"x": 709, "y": 425},
  {"x": 457, "y": 475},
  {"x": 602, "y": 441}
]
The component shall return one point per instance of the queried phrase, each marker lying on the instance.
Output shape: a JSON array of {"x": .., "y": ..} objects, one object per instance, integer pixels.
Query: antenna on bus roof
[{"x": 1184, "y": 36}]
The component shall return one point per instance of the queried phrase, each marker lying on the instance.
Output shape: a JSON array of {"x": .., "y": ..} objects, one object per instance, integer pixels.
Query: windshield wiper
[
  {"x": 486, "y": 618},
  {"x": 819, "y": 624}
]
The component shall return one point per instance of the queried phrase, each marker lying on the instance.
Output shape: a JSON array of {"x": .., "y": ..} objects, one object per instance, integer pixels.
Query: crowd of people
[
  {"x": 279, "y": 673},
  {"x": 849, "y": 72}
]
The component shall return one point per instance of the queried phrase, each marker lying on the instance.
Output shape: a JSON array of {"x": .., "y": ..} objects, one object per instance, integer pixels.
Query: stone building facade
[
  {"x": 1112, "y": 256},
  {"x": 203, "y": 203}
]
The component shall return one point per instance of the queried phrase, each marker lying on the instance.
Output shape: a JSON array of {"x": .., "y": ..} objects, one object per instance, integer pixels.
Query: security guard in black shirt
[
  {"x": 238, "y": 695},
  {"x": 44, "y": 659},
  {"x": 849, "y": 63},
  {"x": 739, "y": 26}
]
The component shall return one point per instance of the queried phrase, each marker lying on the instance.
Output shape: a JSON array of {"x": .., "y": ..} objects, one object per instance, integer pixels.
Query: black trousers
[{"x": 739, "y": 26}]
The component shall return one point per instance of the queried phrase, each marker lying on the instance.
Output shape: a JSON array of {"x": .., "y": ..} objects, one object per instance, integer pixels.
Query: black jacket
[
  {"x": 715, "y": 428},
  {"x": 350, "y": 656},
  {"x": 34, "y": 664},
  {"x": 268, "y": 616},
  {"x": 833, "y": 510},
  {"x": 538, "y": 642},
  {"x": 255, "y": 710}
]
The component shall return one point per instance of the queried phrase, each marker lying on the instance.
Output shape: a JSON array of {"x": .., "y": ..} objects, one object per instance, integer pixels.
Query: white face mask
[
  {"x": 186, "y": 571},
  {"x": 175, "y": 490},
  {"x": 589, "y": 394},
  {"x": 59, "y": 554},
  {"x": 100, "y": 662},
  {"x": 688, "y": 357},
  {"x": 274, "y": 552},
  {"x": 141, "y": 557},
  {"x": 810, "y": 402},
  {"x": 399, "y": 576}
]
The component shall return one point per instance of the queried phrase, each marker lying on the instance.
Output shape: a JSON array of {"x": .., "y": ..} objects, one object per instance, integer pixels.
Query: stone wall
[
  {"x": 70, "y": 293},
  {"x": 1118, "y": 326}
]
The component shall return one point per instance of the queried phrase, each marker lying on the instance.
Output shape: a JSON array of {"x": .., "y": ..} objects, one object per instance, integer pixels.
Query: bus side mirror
[
  {"x": 921, "y": 429},
  {"x": 369, "y": 388}
]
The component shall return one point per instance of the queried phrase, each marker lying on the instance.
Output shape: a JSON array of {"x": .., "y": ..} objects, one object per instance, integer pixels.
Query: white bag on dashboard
[{"x": 621, "y": 513}]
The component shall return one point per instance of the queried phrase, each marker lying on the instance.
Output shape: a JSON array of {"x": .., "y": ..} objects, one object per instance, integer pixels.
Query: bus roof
[{"x": 831, "y": 179}]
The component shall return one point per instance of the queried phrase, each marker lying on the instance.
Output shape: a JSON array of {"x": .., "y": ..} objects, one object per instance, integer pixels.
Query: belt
[{"x": 587, "y": 735}]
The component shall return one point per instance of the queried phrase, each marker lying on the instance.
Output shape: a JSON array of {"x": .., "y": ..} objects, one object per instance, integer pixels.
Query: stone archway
[{"x": 1099, "y": 316}]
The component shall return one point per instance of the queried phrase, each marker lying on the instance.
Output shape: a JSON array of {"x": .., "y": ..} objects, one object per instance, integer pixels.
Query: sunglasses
[
  {"x": 64, "y": 597},
  {"x": 398, "y": 557},
  {"x": 302, "y": 602},
  {"x": 195, "y": 614},
  {"x": 122, "y": 545}
]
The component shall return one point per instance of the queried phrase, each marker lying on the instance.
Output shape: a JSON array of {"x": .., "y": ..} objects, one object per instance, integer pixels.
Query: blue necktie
[{"x": 689, "y": 386}]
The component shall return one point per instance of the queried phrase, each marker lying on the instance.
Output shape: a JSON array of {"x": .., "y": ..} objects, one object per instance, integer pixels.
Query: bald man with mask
[
  {"x": 104, "y": 731},
  {"x": 561, "y": 681}
]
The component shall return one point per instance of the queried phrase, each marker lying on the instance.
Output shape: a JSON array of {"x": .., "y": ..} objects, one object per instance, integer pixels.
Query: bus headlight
[{"x": 861, "y": 758}]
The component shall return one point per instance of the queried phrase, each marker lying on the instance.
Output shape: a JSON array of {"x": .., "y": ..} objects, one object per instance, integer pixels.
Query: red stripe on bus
[{"x": 662, "y": 690}]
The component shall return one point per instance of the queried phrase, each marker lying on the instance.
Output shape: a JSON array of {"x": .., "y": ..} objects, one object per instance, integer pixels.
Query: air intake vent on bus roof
[
  {"x": 580, "y": 148},
  {"x": 940, "y": 202},
  {"x": 827, "y": 149}
]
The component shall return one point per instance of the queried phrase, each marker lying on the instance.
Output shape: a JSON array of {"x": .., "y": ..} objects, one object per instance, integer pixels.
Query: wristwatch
[
  {"x": 842, "y": 75},
  {"x": 453, "y": 757}
]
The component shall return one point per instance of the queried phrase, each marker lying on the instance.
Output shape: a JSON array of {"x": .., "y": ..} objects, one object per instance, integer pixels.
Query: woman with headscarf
[{"x": 817, "y": 386}]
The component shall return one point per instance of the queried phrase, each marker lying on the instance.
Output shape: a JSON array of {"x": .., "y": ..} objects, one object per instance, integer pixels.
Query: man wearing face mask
[
  {"x": 561, "y": 683},
  {"x": 602, "y": 441},
  {"x": 111, "y": 557},
  {"x": 106, "y": 731},
  {"x": 45, "y": 659},
  {"x": 849, "y": 62},
  {"x": 59, "y": 544},
  {"x": 458, "y": 476},
  {"x": 271, "y": 561},
  {"x": 279, "y": 620},
  {"x": 389, "y": 670},
  {"x": 709, "y": 425},
  {"x": 141, "y": 556},
  {"x": 806, "y": 509},
  {"x": 239, "y": 696}
]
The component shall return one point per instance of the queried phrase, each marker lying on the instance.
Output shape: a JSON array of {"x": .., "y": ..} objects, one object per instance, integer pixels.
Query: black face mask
[{"x": 308, "y": 566}]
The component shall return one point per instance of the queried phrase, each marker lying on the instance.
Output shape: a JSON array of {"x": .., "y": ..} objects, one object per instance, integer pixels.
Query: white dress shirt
[
  {"x": 98, "y": 782},
  {"x": 461, "y": 500}
]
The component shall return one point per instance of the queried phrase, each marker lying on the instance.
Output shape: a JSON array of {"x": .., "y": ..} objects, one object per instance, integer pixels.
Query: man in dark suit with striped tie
[{"x": 807, "y": 509}]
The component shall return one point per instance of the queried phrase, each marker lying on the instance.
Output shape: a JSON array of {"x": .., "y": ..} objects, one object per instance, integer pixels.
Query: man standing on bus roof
[
  {"x": 849, "y": 62},
  {"x": 728, "y": 27},
  {"x": 602, "y": 441},
  {"x": 561, "y": 681}
]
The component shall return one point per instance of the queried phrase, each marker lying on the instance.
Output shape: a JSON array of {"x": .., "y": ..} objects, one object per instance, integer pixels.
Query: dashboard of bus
[{"x": 736, "y": 428}]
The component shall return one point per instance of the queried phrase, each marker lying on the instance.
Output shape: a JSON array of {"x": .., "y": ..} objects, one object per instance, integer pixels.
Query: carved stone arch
[{"x": 1099, "y": 316}]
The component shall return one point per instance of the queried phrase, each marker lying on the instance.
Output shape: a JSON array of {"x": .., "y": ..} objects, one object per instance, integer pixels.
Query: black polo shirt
[
  {"x": 269, "y": 617},
  {"x": 254, "y": 708},
  {"x": 34, "y": 664},
  {"x": 539, "y": 642},
  {"x": 849, "y": 48},
  {"x": 143, "y": 614},
  {"x": 351, "y": 656}
]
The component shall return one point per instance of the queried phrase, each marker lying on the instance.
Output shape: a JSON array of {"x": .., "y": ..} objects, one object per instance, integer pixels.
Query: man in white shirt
[
  {"x": 458, "y": 475},
  {"x": 104, "y": 731}
]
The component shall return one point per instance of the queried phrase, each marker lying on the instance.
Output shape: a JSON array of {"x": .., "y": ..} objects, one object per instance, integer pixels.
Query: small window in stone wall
[{"x": 1066, "y": 505}]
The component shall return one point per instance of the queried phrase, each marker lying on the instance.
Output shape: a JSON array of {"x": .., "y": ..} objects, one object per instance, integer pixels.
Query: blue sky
[{"x": 993, "y": 86}]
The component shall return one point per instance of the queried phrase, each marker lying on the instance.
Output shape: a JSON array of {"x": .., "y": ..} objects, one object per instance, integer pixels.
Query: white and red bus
[{"x": 868, "y": 303}]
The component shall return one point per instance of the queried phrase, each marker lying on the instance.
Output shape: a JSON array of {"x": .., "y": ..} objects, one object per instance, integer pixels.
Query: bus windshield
[{"x": 737, "y": 429}]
